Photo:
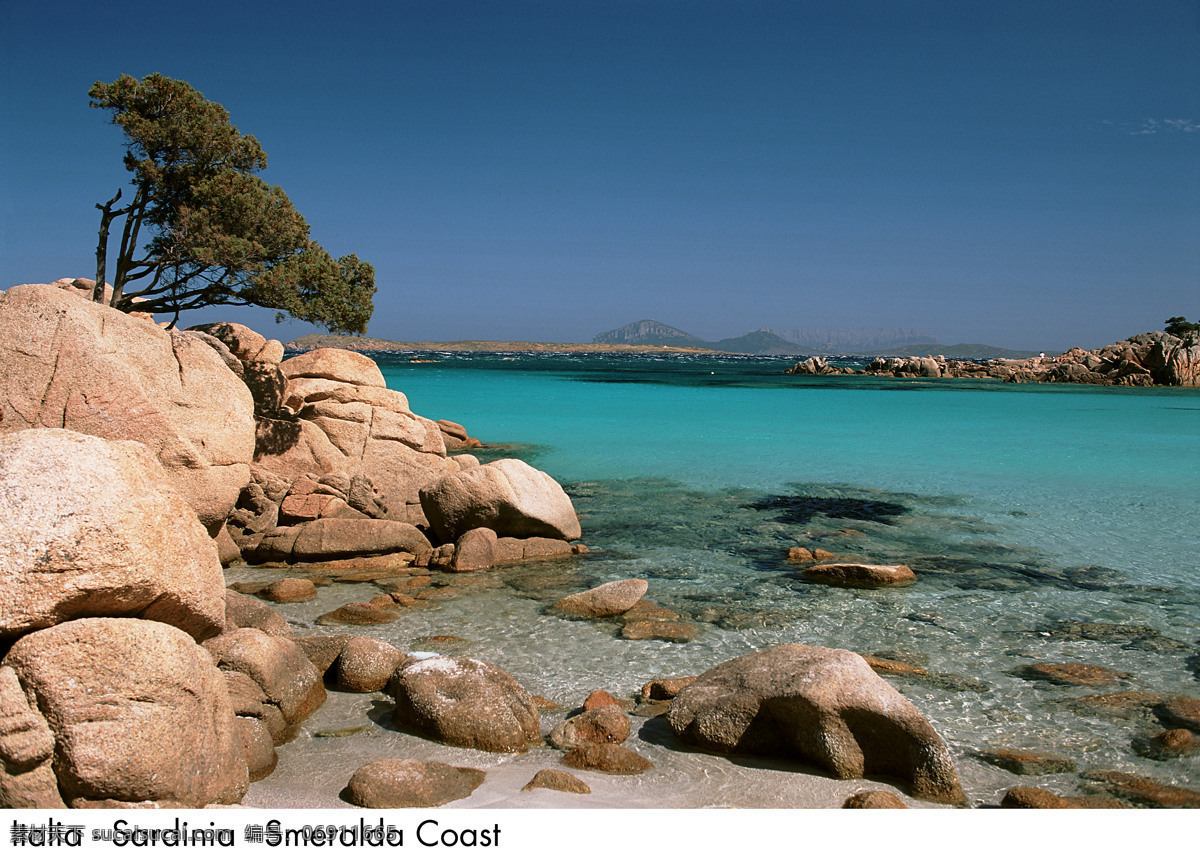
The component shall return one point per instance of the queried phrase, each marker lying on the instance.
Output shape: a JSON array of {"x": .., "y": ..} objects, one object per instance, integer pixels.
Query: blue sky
[{"x": 1024, "y": 174}]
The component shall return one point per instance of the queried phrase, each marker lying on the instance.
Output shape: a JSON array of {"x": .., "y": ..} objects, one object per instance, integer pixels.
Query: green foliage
[
  {"x": 1180, "y": 326},
  {"x": 218, "y": 234}
]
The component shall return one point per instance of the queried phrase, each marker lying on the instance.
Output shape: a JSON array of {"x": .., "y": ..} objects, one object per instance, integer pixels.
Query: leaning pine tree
[{"x": 215, "y": 233}]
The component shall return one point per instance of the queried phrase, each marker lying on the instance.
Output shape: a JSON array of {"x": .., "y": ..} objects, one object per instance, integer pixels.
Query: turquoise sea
[{"x": 1046, "y": 524}]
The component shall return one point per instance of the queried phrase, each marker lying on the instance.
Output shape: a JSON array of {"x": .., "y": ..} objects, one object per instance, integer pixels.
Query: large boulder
[
  {"x": 333, "y": 538},
  {"x": 137, "y": 710},
  {"x": 823, "y": 706},
  {"x": 466, "y": 703},
  {"x": 507, "y": 496},
  {"x": 289, "y": 681},
  {"x": 90, "y": 527},
  {"x": 245, "y": 344},
  {"x": 334, "y": 364},
  {"x": 69, "y": 363},
  {"x": 395, "y": 783}
]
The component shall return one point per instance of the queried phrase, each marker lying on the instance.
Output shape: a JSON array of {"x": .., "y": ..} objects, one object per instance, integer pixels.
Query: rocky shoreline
[
  {"x": 137, "y": 461},
  {"x": 1146, "y": 360}
]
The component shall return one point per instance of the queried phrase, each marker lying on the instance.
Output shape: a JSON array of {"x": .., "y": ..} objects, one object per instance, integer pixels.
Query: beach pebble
[
  {"x": 665, "y": 688},
  {"x": 561, "y": 781},
  {"x": 365, "y": 665},
  {"x": 288, "y": 590},
  {"x": 606, "y": 725},
  {"x": 360, "y": 613},
  {"x": 874, "y": 800},
  {"x": 606, "y": 758}
]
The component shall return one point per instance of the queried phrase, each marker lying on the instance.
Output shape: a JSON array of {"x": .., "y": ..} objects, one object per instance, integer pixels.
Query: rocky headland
[
  {"x": 136, "y": 461},
  {"x": 1146, "y": 360}
]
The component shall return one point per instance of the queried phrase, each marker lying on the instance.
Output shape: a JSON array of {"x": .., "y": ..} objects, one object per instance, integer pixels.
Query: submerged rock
[
  {"x": 660, "y": 689},
  {"x": 823, "y": 706},
  {"x": 289, "y": 590},
  {"x": 1168, "y": 744},
  {"x": 609, "y": 599},
  {"x": 1143, "y": 791},
  {"x": 1181, "y": 711},
  {"x": 361, "y": 613},
  {"x": 1027, "y": 761},
  {"x": 1089, "y": 675},
  {"x": 669, "y": 632},
  {"x": 1030, "y": 797},
  {"x": 860, "y": 576},
  {"x": 606, "y": 758}
]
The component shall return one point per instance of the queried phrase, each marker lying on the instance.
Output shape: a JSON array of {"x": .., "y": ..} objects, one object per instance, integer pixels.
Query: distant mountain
[
  {"x": 884, "y": 342},
  {"x": 649, "y": 332},
  {"x": 962, "y": 351},
  {"x": 762, "y": 341},
  {"x": 838, "y": 340}
]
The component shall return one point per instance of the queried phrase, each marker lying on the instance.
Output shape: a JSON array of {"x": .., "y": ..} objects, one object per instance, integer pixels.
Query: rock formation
[
  {"x": 70, "y": 363},
  {"x": 823, "y": 706},
  {"x": 1148, "y": 359}
]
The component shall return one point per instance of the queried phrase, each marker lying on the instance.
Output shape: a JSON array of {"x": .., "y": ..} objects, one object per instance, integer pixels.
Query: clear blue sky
[{"x": 1024, "y": 174}]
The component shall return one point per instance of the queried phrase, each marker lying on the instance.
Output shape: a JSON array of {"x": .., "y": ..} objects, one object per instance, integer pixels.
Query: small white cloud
[{"x": 1160, "y": 126}]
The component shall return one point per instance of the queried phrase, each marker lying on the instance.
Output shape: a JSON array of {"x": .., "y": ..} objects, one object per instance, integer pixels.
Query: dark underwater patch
[{"x": 801, "y": 509}]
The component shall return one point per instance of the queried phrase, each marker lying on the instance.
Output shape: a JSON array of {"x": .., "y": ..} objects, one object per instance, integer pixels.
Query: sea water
[{"x": 1045, "y": 524}]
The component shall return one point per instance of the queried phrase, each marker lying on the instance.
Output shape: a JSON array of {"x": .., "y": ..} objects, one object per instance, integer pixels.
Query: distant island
[
  {"x": 313, "y": 341},
  {"x": 649, "y": 336}
]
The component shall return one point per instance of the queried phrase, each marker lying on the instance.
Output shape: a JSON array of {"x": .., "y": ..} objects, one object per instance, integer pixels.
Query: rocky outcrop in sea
[{"x": 1146, "y": 360}]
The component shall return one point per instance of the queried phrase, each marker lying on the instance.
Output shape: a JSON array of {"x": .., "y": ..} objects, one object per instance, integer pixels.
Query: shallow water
[{"x": 1045, "y": 524}]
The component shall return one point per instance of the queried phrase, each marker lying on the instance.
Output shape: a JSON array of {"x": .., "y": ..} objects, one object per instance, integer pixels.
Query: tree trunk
[{"x": 106, "y": 217}]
